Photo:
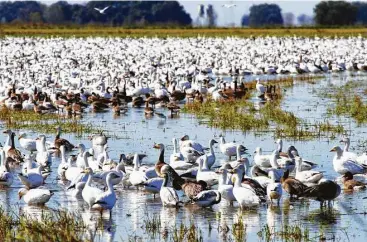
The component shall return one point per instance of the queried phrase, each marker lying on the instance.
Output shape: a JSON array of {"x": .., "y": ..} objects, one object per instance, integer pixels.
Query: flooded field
[{"x": 138, "y": 216}]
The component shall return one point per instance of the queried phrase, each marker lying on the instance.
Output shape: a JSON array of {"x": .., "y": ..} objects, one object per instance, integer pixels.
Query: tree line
[
  {"x": 118, "y": 13},
  {"x": 140, "y": 13}
]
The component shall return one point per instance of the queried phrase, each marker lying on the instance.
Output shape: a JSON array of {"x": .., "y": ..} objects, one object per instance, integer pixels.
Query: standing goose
[
  {"x": 6, "y": 177},
  {"x": 209, "y": 177},
  {"x": 106, "y": 200},
  {"x": 176, "y": 155},
  {"x": 343, "y": 164},
  {"x": 43, "y": 158},
  {"x": 292, "y": 186},
  {"x": 63, "y": 166},
  {"x": 90, "y": 193},
  {"x": 225, "y": 189},
  {"x": 211, "y": 156},
  {"x": 274, "y": 189},
  {"x": 137, "y": 177},
  {"x": 35, "y": 196},
  {"x": 346, "y": 153},
  {"x": 186, "y": 142},
  {"x": 13, "y": 154},
  {"x": 325, "y": 191},
  {"x": 79, "y": 175},
  {"x": 60, "y": 141},
  {"x": 118, "y": 172},
  {"x": 168, "y": 194}
]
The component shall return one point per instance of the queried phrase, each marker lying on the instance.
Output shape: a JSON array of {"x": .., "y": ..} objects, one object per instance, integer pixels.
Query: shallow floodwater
[{"x": 134, "y": 133}]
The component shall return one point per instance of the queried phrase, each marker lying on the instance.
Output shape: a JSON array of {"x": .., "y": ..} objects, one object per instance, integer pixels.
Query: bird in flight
[
  {"x": 229, "y": 5},
  {"x": 101, "y": 11}
]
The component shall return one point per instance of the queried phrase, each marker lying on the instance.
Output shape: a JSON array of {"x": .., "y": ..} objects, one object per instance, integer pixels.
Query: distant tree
[
  {"x": 361, "y": 13},
  {"x": 20, "y": 10},
  {"x": 265, "y": 14},
  {"x": 304, "y": 19},
  {"x": 211, "y": 16},
  {"x": 35, "y": 17},
  {"x": 335, "y": 13},
  {"x": 288, "y": 19},
  {"x": 245, "y": 20}
]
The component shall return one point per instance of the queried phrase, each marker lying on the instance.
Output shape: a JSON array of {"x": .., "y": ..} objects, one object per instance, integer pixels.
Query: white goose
[
  {"x": 306, "y": 176},
  {"x": 119, "y": 172},
  {"x": 274, "y": 189},
  {"x": 63, "y": 166},
  {"x": 106, "y": 200},
  {"x": 211, "y": 156},
  {"x": 27, "y": 144},
  {"x": 207, "y": 198},
  {"x": 229, "y": 149},
  {"x": 225, "y": 189},
  {"x": 346, "y": 153},
  {"x": 260, "y": 159},
  {"x": 168, "y": 194},
  {"x": 43, "y": 158},
  {"x": 186, "y": 142},
  {"x": 90, "y": 193},
  {"x": 176, "y": 155},
  {"x": 153, "y": 185},
  {"x": 79, "y": 175},
  {"x": 6, "y": 177},
  {"x": 36, "y": 196},
  {"x": 137, "y": 177},
  {"x": 342, "y": 164},
  {"x": 245, "y": 196},
  {"x": 210, "y": 177},
  {"x": 33, "y": 179}
]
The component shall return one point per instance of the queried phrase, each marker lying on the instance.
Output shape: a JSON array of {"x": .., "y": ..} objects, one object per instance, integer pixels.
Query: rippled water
[{"x": 135, "y": 133}]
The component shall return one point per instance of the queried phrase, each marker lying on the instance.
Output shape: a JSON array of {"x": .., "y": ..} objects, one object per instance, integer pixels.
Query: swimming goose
[
  {"x": 80, "y": 175},
  {"x": 306, "y": 176},
  {"x": 343, "y": 164},
  {"x": 119, "y": 172},
  {"x": 274, "y": 189},
  {"x": 229, "y": 149},
  {"x": 35, "y": 196},
  {"x": 207, "y": 198},
  {"x": 90, "y": 193},
  {"x": 14, "y": 154},
  {"x": 27, "y": 144},
  {"x": 245, "y": 196},
  {"x": 168, "y": 195},
  {"x": 60, "y": 141},
  {"x": 210, "y": 177},
  {"x": 292, "y": 186},
  {"x": 32, "y": 179},
  {"x": 106, "y": 200},
  {"x": 73, "y": 173},
  {"x": 326, "y": 190},
  {"x": 362, "y": 159},
  {"x": 6, "y": 177},
  {"x": 260, "y": 159},
  {"x": 350, "y": 184}
]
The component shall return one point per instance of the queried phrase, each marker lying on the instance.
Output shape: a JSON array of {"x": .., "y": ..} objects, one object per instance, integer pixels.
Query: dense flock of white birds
[{"x": 141, "y": 66}]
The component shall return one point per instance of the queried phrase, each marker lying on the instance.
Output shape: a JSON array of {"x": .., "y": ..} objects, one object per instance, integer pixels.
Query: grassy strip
[
  {"x": 84, "y": 31},
  {"x": 44, "y": 123}
]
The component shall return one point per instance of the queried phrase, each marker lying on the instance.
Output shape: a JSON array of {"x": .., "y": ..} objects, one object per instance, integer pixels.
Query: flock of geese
[{"x": 92, "y": 175}]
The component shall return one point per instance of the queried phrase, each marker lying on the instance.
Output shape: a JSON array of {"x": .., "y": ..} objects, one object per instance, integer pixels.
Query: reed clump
[
  {"x": 286, "y": 233},
  {"x": 45, "y": 123},
  {"x": 57, "y": 226},
  {"x": 188, "y": 233}
]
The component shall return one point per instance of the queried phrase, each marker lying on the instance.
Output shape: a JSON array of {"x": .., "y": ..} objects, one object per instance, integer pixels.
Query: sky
[{"x": 227, "y": 16}]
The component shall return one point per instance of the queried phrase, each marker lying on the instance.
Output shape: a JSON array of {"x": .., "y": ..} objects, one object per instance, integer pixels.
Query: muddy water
[{"x": 134, "y": 133}]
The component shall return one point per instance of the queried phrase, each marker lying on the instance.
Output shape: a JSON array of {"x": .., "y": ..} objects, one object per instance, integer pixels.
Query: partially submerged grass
[
  {"x": 242, "y": 115},
  {"x": 58, "y": 226},
  {"x": 45, "y": 123},
  {"x": 239, "y": 230},
  {"x": 286, "y": 233},
  {"x": 189, "y": 233}
]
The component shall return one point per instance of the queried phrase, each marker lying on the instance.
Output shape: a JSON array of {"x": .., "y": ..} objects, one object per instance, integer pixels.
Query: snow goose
[
  {"x": 63, "y": 166},
  {"x": 260, "y": 159},
  {"x": 27, "y": 144},
  {"x": 229, "y": 149},
  {"x": 343, "y": 164},
  {"x": 245, "y": 196},
  {"x": 207, "y": 176},
  {"x": 6, "y": 177},
  {"x": 90, "y": 193},
  {"x": 362, "y": 159},
  {"x": 346, "y": 153},
  {"x": 73, "y": 172},
  {"x": 186, "y": 142},
  {"x": 32, "y": 179},
  {"x": 274, "y": 189},
  {"x": 306, "y": 176},
  {"x": 43, "y": 157},
  {"x": 176, "y": 155},
  {"x": 106, "y": 200},
  {"x": 153, "y": 185},
  {"x": 35, "y": 196},
  {"x": 225, "y": 189},
  {"x": 168, "y": 195},
  {"x": 210, "y": 157},
  {"x": 137, "y": 177},
  {"x": 119, "y": 172}
]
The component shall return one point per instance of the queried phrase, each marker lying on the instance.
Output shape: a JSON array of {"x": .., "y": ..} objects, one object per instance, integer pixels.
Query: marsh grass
[
  {"x": 286, "y": 233},
  {"x": 242, "y": 114},
  {"x": 188, "y": 233},
  {"x": 58, "y": 226},
  {"x": 45, "y": 123},
  {"x": 239, "y": 230}
]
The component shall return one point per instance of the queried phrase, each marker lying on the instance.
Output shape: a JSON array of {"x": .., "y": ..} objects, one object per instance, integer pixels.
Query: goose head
[
  {"x": 88, "y": 170},
  {"x": 159, "y": 146},
  {"x": 212, "y": 142},
  {"x": 22, "y": 192},
  {"x": 22, "y": 135},
  {"x": 338, "y": 151},
  {"x": 258, "y": 151},
  {"x": 347, "y": 176},
  {"x": 185, "y": 137}
]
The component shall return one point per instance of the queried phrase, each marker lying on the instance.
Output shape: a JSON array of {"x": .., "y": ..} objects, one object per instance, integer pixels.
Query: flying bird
[
  {"x": 229, "y": 5},
  {"x": 101, "y": 11}
]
